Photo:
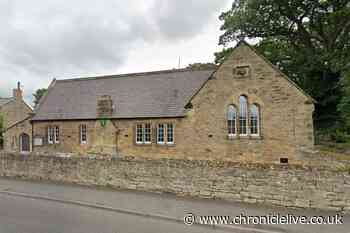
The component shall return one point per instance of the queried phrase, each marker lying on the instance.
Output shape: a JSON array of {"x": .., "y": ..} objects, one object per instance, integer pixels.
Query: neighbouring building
[
  {"x": 245, "y": 110},
  {"x": 16, "y": 116}
]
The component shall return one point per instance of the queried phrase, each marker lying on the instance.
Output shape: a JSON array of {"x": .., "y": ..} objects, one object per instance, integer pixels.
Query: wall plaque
[
  {"x": 242, "y": 71},
  {"x": 38, "y": 141}
]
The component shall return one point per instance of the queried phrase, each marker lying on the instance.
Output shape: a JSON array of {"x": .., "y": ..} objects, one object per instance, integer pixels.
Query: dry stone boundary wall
[{"x": 282, "y": 185}]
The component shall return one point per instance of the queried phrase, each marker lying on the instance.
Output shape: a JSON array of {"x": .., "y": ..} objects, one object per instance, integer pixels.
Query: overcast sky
[{"x": 45, "y": 39}]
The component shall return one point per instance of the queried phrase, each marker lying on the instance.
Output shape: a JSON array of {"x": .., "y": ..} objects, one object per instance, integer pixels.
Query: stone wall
[{"x": 282, "y": 185}]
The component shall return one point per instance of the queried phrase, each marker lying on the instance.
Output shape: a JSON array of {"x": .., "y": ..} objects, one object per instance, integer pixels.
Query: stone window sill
[
  {"x": 143, "y": 144},
  {"x": 248, "y": 137}
]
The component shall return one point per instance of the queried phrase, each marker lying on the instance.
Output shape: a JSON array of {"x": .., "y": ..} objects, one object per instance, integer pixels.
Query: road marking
[{"x": 130, "y": 212}]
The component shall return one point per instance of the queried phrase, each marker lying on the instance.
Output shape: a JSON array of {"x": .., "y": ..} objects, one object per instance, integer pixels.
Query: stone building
[
  {"x": 16, "y": 116},
  {"x": 245, "y": 110}
]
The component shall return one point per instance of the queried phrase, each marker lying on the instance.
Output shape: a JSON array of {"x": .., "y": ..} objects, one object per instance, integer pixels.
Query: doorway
[{"x": 24, "y": 143}]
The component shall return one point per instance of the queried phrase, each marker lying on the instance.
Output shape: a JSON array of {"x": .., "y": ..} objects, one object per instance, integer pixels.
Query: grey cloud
[
  {"x": 45, "y": 38},
  {"x": 184, "y": 18}
]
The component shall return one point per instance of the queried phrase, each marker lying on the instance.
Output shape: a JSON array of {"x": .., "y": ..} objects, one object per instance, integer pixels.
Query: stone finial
[{"x": 105, "y": 106}]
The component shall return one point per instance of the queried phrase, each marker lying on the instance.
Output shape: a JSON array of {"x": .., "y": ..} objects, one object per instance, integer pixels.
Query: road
[
  {"x": 32, "y": 207},
  {"x": 25, "y": 215}
]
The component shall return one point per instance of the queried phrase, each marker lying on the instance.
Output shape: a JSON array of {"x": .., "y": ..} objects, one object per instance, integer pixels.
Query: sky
[{"x": 45, "y": 39}]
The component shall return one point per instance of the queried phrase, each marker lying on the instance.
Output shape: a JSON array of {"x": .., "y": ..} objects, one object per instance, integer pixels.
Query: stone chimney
[
  {"x": 105, "y": 106},
  {"x": 17, "y": 93}
]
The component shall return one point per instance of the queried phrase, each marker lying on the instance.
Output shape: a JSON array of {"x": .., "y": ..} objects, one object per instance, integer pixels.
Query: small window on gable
[
  {"x": 243, "y": 116},
  {"x": 231, "y": 120},
  {"x": 254, "y": 120}
]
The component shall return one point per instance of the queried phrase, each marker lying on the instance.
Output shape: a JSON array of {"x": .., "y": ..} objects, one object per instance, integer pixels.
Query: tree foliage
[
  {"x": 38, "y": 94},
  {"x": 309, "y": 40}
]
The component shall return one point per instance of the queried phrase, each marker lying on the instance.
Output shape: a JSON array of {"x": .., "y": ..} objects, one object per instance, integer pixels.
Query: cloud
[
  {"x": 43, "y": 39},
  {"x": 183, "y": 18}
]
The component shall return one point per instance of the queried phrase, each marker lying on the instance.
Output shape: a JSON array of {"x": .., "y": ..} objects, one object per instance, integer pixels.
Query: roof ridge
[{"x": 168, "y": 71}]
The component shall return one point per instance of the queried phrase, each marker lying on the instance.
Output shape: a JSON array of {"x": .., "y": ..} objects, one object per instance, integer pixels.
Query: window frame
[
  {"x": 50, "y": 134},
  {"x": 163, "y": 134},
  {"x": 172, "y": 133},
  {"x": 56, "y": 134},
  {"x": 245, "y": 117},
  {"x": 228, "y": 120},
  {"x": 144, "y": 133},
  {"x": 257, "y": 120},
  {"x": 137, "y": 141},
  {"x": 82, "y": 133},
  {"x": 53, "y": 134}
]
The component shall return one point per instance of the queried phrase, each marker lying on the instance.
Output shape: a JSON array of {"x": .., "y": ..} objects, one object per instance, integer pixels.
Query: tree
[
  {"x": 308, "y": 39},
  {"x": 38, "y": 94}
]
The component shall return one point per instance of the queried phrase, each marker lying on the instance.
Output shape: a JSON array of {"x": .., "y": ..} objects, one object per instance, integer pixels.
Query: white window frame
[
  {"x": 82, "y": 133},
  {"x": 246, "y": 117},
  {"x": 163, "y": 134},
  {"x": 234, "y": 120},
  {"x": 172, "y": 133},
  {"x": 137, "y": 134},
  {"x": 56, "y": 134},
  {"x": 50, "y": 135},
  {"x": 257, "y": 120},
  {"x": 149, "y": 133}
]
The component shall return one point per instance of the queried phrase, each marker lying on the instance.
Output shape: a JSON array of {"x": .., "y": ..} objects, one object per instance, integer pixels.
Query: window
[
  {"x": 170, "y": 133},
  {"x": 254, "y": 120},
  {"x": 53, "y": 134},
  {"x": 50, "y": 135},
  {"x": 57, "y": 134},
  {"x": 139, "y": 134},
  {"x": 243, "y": 112},
  {"x": 143, "y": 134},
  {"x": 83, "y": 134},
  {"x": 164, "y": 133},
  {"x": 231, "y": 120},
  {"x": 160, "y": 134},
  {"x": 147, "y": 133}
]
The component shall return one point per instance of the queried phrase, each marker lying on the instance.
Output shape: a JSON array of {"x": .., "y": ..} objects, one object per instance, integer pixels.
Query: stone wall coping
[{"x": 215, "y": 164}]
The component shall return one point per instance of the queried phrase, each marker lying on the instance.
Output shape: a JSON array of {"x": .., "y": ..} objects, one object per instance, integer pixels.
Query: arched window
[
  {"x": 231, "y": 120},
  {"x": 243, "y": 115},
  {"x": 254, "y": 120}
]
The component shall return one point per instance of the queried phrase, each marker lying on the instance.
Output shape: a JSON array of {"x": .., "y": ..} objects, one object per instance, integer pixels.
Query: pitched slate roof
[
  {"x": 4, "y": 101},
  {"x": 138, "y": 95}
]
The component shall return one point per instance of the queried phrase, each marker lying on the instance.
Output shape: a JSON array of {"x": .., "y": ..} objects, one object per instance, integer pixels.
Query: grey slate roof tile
[{"x": 141, "y": 95}]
